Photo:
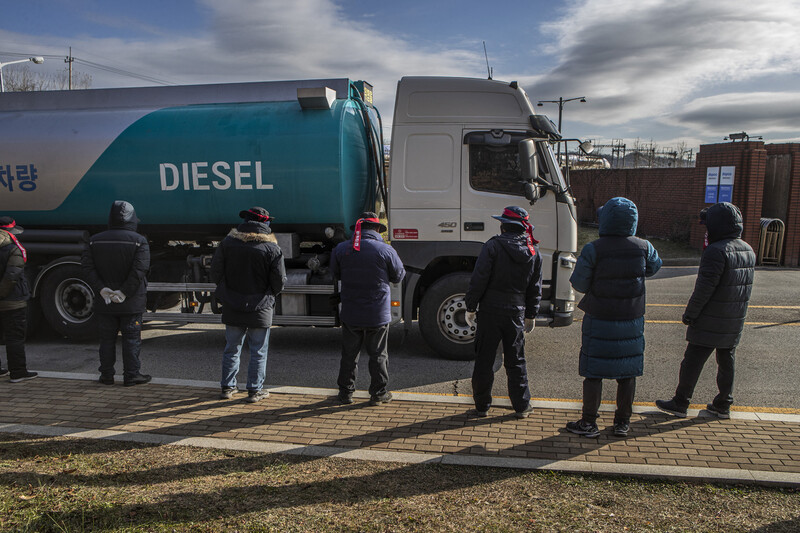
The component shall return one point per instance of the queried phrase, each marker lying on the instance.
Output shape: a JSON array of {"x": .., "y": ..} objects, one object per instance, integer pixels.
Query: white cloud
[
  {"x": 641, "y": 59},
  {"x": 757, "y": 113}
]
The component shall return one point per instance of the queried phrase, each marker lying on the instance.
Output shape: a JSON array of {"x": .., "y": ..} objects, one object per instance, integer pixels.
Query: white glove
[
  {"x": 117, "y": 297},
  {"x": 530, "y": 323},
  {"x": 105, "y": 294},
  {"x": 471, "y": 318}
]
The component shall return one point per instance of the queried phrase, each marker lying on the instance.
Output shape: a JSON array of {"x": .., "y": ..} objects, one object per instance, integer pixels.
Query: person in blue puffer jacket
[
  {"x": 611, "y": 273},
  {"x": 366, "y": 266}
]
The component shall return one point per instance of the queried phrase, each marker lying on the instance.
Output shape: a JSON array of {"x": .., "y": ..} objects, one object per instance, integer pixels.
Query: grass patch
[
  {"x": 666, "y": 249},
  {"x": 64, "y": 484}
]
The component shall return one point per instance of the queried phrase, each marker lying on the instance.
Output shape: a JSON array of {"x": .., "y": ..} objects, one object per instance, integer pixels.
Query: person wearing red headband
[
  {"x": 507, "y": 284},
  {"x": 249, "y": 272},
  {"x": 14, "y": 294},
  {"x": 366, "y": 266}
]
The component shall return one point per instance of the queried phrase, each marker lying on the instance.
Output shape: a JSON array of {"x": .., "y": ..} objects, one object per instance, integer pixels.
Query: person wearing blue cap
[
  {"x": 610, "y": 272},
  {"x": 503, "y": 297}
]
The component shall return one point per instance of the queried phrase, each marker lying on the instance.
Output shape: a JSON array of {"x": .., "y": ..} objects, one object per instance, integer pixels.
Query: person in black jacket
[
  {"x": 507, "y": 283},
  {"x": 14, "y": 294},
  {"x": 716, "y": 310},
  {"x": 366, "y": 266},
  {"x": 249, "y": 272},
  {"x": 115, "y": 263}
]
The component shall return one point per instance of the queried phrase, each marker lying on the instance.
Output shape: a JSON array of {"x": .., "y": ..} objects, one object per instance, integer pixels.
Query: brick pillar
[{"x": 750, "y": 160}]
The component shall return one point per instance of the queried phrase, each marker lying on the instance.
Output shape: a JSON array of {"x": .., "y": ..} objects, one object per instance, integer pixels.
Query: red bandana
[
  {"x": 13, "y": 238},
  {"x": 258, "y": 217},
  {"x": 357, "y": 234},
  {"x": 528, "y": 229}
]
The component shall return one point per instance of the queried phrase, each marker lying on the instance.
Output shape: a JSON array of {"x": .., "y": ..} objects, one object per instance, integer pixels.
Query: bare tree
[{"x": 25, "y": 79}]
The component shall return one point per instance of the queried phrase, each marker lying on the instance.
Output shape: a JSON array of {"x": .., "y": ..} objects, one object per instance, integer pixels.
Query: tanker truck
[{"x": 189, "y": 158}]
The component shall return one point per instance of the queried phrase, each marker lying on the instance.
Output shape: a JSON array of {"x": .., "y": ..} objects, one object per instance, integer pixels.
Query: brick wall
[
  {"x": 669, "y": 200},
  {"x": 659, "y": 193}
]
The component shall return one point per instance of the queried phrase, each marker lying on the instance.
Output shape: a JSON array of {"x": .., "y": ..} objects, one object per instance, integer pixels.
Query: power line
[{"x": 99, "y": 66}]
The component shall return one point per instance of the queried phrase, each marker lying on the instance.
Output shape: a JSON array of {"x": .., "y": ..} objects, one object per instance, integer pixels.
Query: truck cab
[{"x": 456, "y": 160}]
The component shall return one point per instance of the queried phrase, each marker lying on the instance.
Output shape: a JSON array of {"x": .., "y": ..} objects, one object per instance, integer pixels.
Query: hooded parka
[
  {"x": 718, "y": 306},
  {"x": 118, "y": 258},
  {"x": 611, "y": 273},
  {"x": 14, "y": 288},
  {"x": 249, "y": 272},
  {"x": 507, "y": 279}
]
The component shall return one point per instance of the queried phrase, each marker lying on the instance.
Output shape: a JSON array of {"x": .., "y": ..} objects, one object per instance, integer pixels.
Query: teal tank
[{"x": 191, "y": 168}]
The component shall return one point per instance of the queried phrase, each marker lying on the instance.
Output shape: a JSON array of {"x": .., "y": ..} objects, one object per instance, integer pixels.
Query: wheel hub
[{"x": 452, "y": 320}]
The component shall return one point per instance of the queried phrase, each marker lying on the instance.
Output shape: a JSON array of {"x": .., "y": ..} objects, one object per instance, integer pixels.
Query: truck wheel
[
  {"x": 67, "y": 303},
  {"x": 441, "y": 318}
]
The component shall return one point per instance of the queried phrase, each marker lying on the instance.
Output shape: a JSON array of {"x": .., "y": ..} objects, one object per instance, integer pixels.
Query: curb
[{"x": 674, "y": 473}]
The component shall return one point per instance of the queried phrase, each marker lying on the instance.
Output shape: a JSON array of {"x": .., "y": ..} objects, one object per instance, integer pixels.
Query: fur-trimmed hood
[{"x": 252, "y": 237}]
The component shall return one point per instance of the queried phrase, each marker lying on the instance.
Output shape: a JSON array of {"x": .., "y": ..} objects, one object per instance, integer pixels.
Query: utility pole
[{"x": 69, "y": 61}]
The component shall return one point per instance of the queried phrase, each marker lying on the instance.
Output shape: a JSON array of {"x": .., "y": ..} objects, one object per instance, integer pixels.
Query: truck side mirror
[{"x": 528, "y": 160}]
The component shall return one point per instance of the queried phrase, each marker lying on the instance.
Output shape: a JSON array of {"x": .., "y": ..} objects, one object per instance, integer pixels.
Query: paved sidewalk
[{"x": 751, "y": 447}]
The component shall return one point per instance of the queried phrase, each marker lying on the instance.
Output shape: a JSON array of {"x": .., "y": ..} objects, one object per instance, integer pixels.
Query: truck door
[{"x": 491, "y": 180}]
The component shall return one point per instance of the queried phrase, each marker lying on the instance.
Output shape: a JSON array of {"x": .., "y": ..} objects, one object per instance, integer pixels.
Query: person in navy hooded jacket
[
  {"x": 366, "y": 266},
  {"x": 507, "y": 283},
  {"x": 611, "y": 272}
]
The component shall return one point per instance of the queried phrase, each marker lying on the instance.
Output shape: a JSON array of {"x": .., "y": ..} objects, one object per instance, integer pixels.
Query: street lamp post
[
  {"x": 38, "y": 60},
  {"x": 561, "y": 101}
]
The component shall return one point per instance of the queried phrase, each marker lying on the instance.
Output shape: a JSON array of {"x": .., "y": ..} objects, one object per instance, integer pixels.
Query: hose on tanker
[{"x": 376, "y": 148}]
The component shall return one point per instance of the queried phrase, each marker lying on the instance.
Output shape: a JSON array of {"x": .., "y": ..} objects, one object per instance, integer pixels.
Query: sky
[{"x": 675, "y": 72}]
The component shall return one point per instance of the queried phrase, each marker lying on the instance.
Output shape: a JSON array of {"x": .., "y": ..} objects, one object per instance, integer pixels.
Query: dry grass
[{"x": 61, "y": 484}]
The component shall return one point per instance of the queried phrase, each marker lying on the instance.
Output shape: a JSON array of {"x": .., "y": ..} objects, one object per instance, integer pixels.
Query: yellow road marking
[
  {"x": 746, "y": 323},
  {"x": 749, "y": 307}
]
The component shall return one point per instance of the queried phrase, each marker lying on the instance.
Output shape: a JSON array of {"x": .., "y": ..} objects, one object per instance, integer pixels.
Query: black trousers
[
  {"x": 375, "y": 342},
  {"x": 492, "y": 330},
  {"x": 131, "y": 328},
  {"x": 592, "y": 396},
  {"x": 694, "y": 359},
  {"x": 14, "y": 324}
]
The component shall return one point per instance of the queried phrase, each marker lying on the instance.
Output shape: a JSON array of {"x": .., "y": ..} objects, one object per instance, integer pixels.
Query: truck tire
[
  {"x": 441, "y": 318},
  {"x": 67, "y": 303}
]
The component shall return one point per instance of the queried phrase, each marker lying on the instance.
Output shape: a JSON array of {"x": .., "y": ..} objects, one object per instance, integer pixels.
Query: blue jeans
[{"x": 258, "y": 341}]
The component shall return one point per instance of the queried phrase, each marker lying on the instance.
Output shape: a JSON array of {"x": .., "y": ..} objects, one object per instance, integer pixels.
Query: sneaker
[
  {"x": 672, "y": 408},
  {"x": 23, "y": 377},
  {"x": 227, "y": 393},
  {"x": 584, "y": 428},
  {"x": 138, "y": 379},
  {"x": 383, "y": 398},
  {"x": 480, "y": 413},
  {"x": 621, "y": 429},
  {"x": 525, "y": 413},
  {"x": 345, "y": 398},
  {"x": 3, "y": 371},
  {"x": 724, "y": 414},
  {"x": 106, "y": 380},
  {"x": 256, "y": 396}
]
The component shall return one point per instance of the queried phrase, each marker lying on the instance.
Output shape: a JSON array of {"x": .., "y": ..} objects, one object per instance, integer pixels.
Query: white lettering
[
  {"x": 163, "y": 167},
  {"x": 225, "y": 182},
  {"x": 238, "y": 174},
  {"x": 259, "y": 184},
  {"x": 197, "y": 176},
  {"x": 185, "y": 168}
]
